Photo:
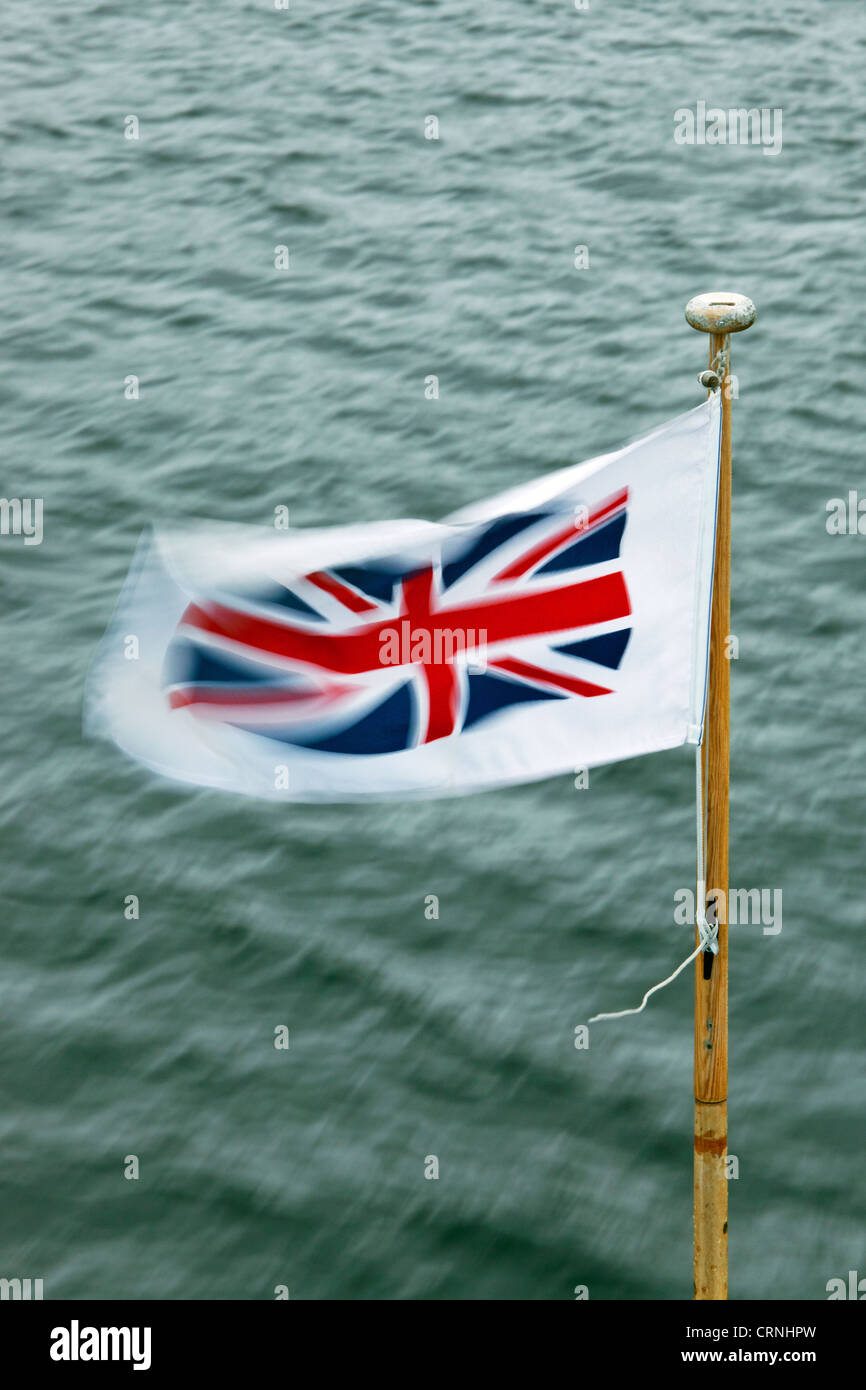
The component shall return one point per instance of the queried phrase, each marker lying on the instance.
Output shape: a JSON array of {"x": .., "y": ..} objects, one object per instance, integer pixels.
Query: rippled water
[{"x": 411, "y": 257}]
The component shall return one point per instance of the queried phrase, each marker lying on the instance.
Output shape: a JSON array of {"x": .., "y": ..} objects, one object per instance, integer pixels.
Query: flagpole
[{"x": 718, "y": 314}]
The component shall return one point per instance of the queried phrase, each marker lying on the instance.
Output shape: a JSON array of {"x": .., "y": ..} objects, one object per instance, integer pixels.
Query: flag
[{"x": 559, "y": 625}]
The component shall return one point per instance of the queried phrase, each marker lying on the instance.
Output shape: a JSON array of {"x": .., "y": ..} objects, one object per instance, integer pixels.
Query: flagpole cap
[{"x": 720, "y": 312}]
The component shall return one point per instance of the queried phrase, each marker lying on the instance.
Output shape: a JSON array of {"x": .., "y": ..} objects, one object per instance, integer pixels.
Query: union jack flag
[{"x": 400, "y": 651}]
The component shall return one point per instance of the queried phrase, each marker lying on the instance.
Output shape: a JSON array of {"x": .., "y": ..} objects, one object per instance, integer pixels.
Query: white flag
[{"x": 562, "y": 624}]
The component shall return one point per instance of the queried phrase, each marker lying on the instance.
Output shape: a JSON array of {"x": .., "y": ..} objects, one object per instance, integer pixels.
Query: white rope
[
  {"x": 639, "y": 1010},
  {"x": 708, "y": 933}
]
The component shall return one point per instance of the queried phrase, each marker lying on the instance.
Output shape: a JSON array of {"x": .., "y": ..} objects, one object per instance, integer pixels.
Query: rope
[
  {"x": 722, "y": 358},
  {"x": 708, "y": 932}
]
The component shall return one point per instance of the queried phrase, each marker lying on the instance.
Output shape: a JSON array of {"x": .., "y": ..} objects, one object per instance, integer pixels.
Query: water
[{"x": 412, "y": 1037}]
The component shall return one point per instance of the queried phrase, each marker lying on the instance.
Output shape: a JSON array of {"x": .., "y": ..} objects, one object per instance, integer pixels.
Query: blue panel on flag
[
  {"x": 186, "y": 663},
  {"x": 278, "y": 596},
  {"x": 599, "y": 545},
  {"x": 491, "y": 537},
  {"x": 607, "y": 650},
  {"x": 489, "y": 693},
  {"x": 375, "y": 583},
  {"x": 384, "y": 730}
]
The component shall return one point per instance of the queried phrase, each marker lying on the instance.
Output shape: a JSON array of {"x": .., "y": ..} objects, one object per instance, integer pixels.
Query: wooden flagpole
[{"x": 718, "y": 314}]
